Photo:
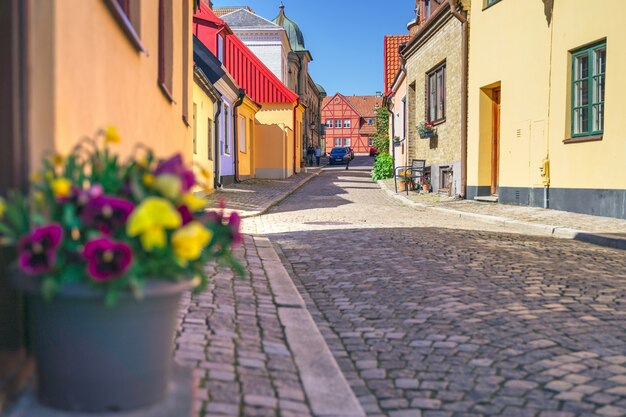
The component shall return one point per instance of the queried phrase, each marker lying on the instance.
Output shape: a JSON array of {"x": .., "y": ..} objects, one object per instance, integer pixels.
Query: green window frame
[{"x": 588, "y": 90}]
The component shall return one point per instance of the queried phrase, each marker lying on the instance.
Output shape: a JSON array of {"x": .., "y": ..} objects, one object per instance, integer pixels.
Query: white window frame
[
  {"x": 335, "y": 145},
  {"x": 337, "y": 123},
  {"x": 347, "y": 123},
  {"x": 347, "y": 142},
  {"x": 329, "y": 123}
]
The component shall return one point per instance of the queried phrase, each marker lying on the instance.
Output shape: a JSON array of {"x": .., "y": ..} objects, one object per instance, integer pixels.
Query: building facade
[
  {"x": 350, "y": 121},
  {"x": 435, "y": 65},
  {"x": 546, "y": 127}
]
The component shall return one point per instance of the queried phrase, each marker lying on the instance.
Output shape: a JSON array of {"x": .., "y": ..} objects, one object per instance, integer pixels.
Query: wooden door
[{"x": 495, "y": 141}]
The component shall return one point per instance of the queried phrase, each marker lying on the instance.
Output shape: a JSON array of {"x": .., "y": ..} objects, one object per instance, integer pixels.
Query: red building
[{"x": 350, "y": 121}]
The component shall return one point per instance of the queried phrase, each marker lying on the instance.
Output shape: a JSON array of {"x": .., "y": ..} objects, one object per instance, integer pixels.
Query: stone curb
[
  {"x": 599, "y": 239},
  {"x": 326, "y": 387},
  {"x": 276, "y": 201}
]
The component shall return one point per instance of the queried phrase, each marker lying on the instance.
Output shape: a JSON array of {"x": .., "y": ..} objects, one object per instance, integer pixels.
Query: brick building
[
  {"x": 350, "y": 121},
  {"x": 434, "y": 78}
]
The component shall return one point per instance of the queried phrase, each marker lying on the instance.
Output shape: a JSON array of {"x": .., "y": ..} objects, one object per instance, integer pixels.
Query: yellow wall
[
  {"x": 205, "y": 114},
  {"x": 508, "y": 48},
  {"x": 86, "y": 74},
  {"x": 601, "y": 164},
  {"x": 274, "y": 147},
  {"x": 246, "y": 158}
]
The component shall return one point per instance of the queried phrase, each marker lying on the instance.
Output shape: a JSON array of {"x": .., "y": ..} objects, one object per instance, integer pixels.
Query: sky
[{"x": 345, "y": 37}]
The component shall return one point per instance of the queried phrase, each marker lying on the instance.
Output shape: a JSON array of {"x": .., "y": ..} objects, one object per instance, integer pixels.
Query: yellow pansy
[
  {"x": 149, "y": 221},
  {"x": 168, "y": 185},
  {"x": 193, "y": 202},
  {"x": 57, "y": 160},
  {"x": 148, "y": 180},
  {"x": 111, "y": 135},
  {"x": 61, "y": 187},
  {"x": 3, "y": 207},
  {"x": 189, "y": 241},
  {"x": 35, "y": 177}
]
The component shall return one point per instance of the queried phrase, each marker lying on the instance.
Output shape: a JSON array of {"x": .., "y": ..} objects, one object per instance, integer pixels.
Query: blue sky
[{"x": 345, "y": 37}]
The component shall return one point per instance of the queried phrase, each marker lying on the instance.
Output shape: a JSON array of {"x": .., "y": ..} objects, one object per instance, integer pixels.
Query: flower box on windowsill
[{"x": 427, "y": 134}]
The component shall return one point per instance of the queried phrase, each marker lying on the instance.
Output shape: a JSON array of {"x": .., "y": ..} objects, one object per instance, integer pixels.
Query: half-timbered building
[{"x": 350, "y": 121}]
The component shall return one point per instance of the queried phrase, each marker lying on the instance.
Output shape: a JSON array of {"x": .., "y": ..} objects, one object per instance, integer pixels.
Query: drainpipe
[
  {"x": 464, "y": 52},
  {"x": 216, "y": 145},
  {"x": 393, "y": 133},
  {"x": 295, "y": 128},
  {"x": 237, "y": 103}
]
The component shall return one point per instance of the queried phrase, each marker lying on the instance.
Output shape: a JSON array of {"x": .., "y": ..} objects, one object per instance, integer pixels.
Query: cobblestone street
[{"x": 428, "y": 314}]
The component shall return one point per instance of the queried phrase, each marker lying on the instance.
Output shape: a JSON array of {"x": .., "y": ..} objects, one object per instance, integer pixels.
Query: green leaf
[
  {"x": 49, "y": 288},
  {"x": 112, "y": 296},
  {"x": 70, "y": 218},
  {"x": 7, "y": 231},
  {"x": 136, "y": 287},
  {"x": 73, "y": 272}
]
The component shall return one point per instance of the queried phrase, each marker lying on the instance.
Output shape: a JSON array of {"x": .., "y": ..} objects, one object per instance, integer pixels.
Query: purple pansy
[
  {"x": 106, "y": 213},
  {"x": 185, "y": 214},
  {"x": 234, "y": 222},
  {"x": 107, "y": 259},
  {"x": 38, "y": 251},
  {"x": 175, "y": 166}
]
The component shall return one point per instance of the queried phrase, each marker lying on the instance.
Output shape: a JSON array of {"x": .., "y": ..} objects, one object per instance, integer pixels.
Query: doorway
[{"x": 495, "y": 140}]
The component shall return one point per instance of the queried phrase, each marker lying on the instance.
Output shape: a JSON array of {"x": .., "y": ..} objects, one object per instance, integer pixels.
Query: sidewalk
[
  {"x": 603, "y": 231},
  {"x": 254, "y": 197}
]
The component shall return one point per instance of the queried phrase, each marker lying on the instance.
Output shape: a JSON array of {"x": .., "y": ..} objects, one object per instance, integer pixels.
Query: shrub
[{"x": 383, "y": 167}]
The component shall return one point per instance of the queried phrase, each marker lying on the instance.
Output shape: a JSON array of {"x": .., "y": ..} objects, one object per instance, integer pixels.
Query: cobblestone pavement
[
  {"x": 595, "y": 224},
  {"x": 232, "y": 336},
  {"x": 434, "y": 315},
  {"x": 253, "y": 196}
]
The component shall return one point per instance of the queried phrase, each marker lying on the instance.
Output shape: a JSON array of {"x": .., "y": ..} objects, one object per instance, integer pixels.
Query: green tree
[{"x": 381, "y": 140}]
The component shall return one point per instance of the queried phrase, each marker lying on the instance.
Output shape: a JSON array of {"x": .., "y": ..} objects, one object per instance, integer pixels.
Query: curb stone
[
  {"x": 326, "y": 388},
  {"x": 599, "y": 239}
]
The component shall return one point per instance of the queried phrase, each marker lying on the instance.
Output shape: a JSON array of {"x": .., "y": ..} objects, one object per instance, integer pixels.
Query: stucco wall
[
  {"x": 246, "y": 111},
  {"x": 76, "y": 51},
  {"x": 205, "y": 114},
  {"x": 445, "y": 149},
  {"x": 273, "y": 156}
]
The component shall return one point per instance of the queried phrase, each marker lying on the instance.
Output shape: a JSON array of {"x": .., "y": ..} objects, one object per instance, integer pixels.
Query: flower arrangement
[
  {"x": 426, "y": 129},
  {"x": 93, "y": 219},
  {"x": 425, "y": 181}
]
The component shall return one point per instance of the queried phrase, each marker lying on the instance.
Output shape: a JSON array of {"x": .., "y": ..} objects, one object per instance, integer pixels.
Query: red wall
[{"x": 337, "y": 108}]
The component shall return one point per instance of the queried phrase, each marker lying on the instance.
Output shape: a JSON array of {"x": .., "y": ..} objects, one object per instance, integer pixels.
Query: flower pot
[
  {"x": 427, "y": 134},
  {"x": 94, "y": 358},
  {"x": 403, "y": 186},
  {"x": 426, "y": 187}
]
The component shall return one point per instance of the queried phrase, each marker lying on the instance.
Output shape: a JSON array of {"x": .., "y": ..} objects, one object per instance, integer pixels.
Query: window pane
[
  {"x": 581, "y": 67},
  {"x": 598, "y": 89},
  {"x": 598, "y": 118},
  {"x": 346, "y": 142},
  {"x": 600, "y": 61},
  {"x": 432, "y": 102},
  {"x": 440, "y": 94},
  {"x": 581, "y": 93},
  {"x": 581, "y": 120}
]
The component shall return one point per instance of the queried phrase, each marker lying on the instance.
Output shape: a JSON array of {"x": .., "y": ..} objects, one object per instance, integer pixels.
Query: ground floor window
[
  {"x": 337, "y": 142},
  {"x": 210, "y": 138},
  {"x": 346, "y": 142},
  {"x": 370, "y": 141}
]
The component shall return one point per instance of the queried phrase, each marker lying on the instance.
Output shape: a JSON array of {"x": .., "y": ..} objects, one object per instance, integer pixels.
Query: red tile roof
[
  {"x": 365, "y": 105},
  {"x": 367, "y": 129},
  {"x": 392, "y": 57},
  {"x": 221, "y": 11}
]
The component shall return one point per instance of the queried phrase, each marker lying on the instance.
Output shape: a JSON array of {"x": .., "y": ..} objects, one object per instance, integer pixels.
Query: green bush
[{"x": 383, "y": 167}]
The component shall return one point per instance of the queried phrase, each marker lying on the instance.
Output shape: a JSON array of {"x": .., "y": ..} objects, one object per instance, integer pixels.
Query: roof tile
[{"x": 392, "y": 57}]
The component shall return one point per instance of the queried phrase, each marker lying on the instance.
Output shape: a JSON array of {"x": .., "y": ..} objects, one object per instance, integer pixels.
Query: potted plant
[
  {"x": 406, "y": 182},
  {"x": 105, "y": 250},
  {"x": 425, "y": 183},
  {"x": 426, "y": 129},
  {"x": 396, "y": 141}
]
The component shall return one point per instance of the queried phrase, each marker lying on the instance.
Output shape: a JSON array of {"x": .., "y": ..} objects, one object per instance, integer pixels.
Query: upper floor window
[
  {"x": 220, "y": 48},
  {"x": 436, "y": 94},
  {"x": 337, "y": 123},
  {"x": 588, "y": 88},
  {"x": 329, "y": 122},
  {"x": 166, "y": 47},
  {"x": 488, "y": 3},
  {"x": 370, "y": 121},
  {"x": 346, "y": 123},
  {"x": 128, "y": 14}
]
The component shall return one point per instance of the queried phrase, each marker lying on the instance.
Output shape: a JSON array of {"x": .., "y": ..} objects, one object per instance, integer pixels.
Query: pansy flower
[
  {"x": 189, "y": 241},
  {"x": 106, "y": 213},
  {"x": 37, "y": 251},
  {"x": 150, "y": 220},
  {"x": 61, "y": 188},
  {"x": 175, "y": 166},
  {"x": 107, "y": 259},
  {"x": 234, "y": 223}
]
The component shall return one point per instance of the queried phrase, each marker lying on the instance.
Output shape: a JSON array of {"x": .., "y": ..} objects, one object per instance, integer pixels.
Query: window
[
  {"x": 210, "y": 139},
  {"x": 370, "y": 141},
  {"x": 242, "y": 134},
  {"x": 588, "y": 87},
  {"x": 370, "y": 121},
  {"x": 346, "y": 142},
  {"x": 329, "y": 123},
  {"x": 127, "y": 13},
  {"x": 337, "y": 142},
  {"x": 337, "y": 123},
  {"x": 251, "y": 130},
  {"x": 166, "y": 56},
  {"x": 186, "y": 33},
  {"x": 436, "y": 90},
  {"x": 226, "y": 143},
  {"x": 426, "y": 11},
  {"x": 489, "y": 3},
  {"x": 220, "y": 48},
  {"x": 195, "y": 129},
  {"x": 346, "y": 124}
]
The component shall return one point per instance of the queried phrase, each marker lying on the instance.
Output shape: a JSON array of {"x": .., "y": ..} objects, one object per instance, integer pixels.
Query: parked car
[
  {"x": 339, "y": 155},
  {"x": 350, "y": 152},
  {"x": 373, "y": 151}
]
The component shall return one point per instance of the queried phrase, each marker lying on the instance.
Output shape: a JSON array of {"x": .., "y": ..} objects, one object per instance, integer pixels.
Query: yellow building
[
  {"x": 246, "y": 134},
  {"x": 206, "y": 102},
  {"x": 545, "y": 123}
]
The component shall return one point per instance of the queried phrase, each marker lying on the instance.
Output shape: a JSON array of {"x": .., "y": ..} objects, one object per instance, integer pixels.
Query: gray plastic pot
[{"x": 93, "y": 358}]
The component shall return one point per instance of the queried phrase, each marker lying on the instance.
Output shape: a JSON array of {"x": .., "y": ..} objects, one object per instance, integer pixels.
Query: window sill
[
  {"x": 490, "y": 5},
  {"x": 438, "y": 122},
  {"x": 126, "y": 25},
  {"x": 592, "y": 138},
  {"x": 166, "y": 92}
]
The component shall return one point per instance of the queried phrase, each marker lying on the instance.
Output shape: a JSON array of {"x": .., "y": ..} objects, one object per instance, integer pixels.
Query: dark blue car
[{"x": 338, "y": 155}]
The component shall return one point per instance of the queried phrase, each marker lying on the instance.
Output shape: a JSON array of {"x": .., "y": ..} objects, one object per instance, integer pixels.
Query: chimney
[{"x": 413, "y": 25}]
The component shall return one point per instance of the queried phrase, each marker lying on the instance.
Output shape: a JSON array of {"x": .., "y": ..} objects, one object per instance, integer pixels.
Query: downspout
[
  {"x": 237, "y": 103},
  {"x": 216, "y": 145},
  {"x": 393, "y": 132},
  {"x": 464, "y": 74},
  {"x": 295, "y": 129}
]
